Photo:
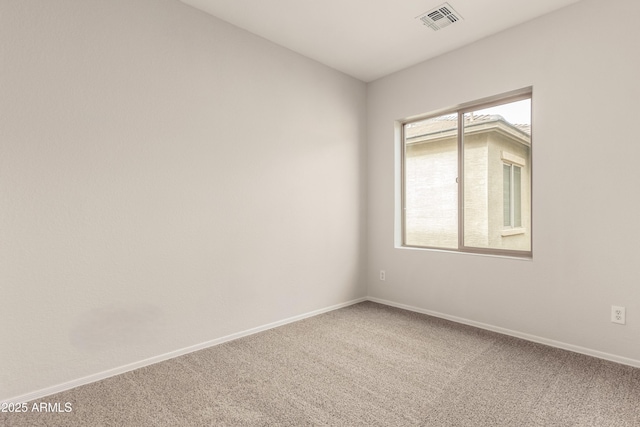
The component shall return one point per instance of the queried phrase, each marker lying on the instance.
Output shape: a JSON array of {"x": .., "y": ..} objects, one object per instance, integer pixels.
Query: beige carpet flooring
[{"x": 364, "y": 365}]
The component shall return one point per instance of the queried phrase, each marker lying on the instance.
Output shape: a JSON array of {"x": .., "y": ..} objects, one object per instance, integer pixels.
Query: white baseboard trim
[
  {"x": 552, "y": 343},
  {"x": 39, "y": 394}
]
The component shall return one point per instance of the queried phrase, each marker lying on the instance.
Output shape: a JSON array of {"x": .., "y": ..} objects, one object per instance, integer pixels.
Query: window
[
  {"x": 512, "y": 202},
  {"x": 466, "y": 178}
]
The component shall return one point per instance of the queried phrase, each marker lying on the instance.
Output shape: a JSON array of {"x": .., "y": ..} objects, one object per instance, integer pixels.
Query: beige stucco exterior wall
[
  {"x": 476, "y": 197},
  {"x": 432, "y": 196}
]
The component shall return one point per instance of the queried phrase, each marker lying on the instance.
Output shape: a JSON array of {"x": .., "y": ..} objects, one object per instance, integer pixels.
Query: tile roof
[{"x": 449, "y": 123}]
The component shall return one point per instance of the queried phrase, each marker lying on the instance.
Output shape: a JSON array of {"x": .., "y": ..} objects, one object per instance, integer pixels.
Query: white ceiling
[{"x": 368, "y": 39}]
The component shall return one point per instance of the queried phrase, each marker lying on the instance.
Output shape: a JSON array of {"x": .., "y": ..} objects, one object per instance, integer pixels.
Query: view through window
[{"x": 467, "y": 179}]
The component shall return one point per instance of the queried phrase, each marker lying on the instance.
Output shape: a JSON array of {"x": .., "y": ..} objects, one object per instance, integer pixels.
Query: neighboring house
[{"x": 497, "y": 183}]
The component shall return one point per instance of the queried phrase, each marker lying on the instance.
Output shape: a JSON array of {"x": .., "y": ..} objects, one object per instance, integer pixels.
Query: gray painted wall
[
  {"x": 165, "y": 179},
  {"x": 585, "y": 178}
]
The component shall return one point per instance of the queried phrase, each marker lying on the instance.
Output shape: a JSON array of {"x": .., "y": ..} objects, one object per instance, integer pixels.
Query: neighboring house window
[
  {"x": 467, "y": 178},
  {"x": 512, "y": 202}
]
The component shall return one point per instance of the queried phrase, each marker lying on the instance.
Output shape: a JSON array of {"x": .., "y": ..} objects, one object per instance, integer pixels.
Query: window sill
[
  {"x": 513, "y": 255},
  {"x": 513, "y": 231}
]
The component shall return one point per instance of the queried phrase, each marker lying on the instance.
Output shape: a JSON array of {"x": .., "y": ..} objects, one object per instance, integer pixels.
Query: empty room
[{"x": 356, "y": 212}]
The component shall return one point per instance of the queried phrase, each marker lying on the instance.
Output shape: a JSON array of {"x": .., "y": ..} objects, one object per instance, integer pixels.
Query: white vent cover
[{"x": 440, "y": 17}]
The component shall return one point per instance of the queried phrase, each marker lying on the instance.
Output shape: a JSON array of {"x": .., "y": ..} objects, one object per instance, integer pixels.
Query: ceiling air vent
[{"x": 440, "y": 17}]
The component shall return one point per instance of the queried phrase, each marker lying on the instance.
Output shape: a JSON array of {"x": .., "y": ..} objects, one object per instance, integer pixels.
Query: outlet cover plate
[{"x": 618, "y": 314}]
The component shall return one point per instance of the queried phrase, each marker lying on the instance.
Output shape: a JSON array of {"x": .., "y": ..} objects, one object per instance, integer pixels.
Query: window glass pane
[
  {"x": 430, "y": 174},
  {"x": 497, "y": 202},
  {"x": 506, "y": 203}
]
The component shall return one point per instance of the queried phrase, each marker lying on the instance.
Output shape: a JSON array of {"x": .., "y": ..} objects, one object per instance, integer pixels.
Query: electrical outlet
[
  {"x": 383, "y": 276},
  {"x": 618, "y": 315}
]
